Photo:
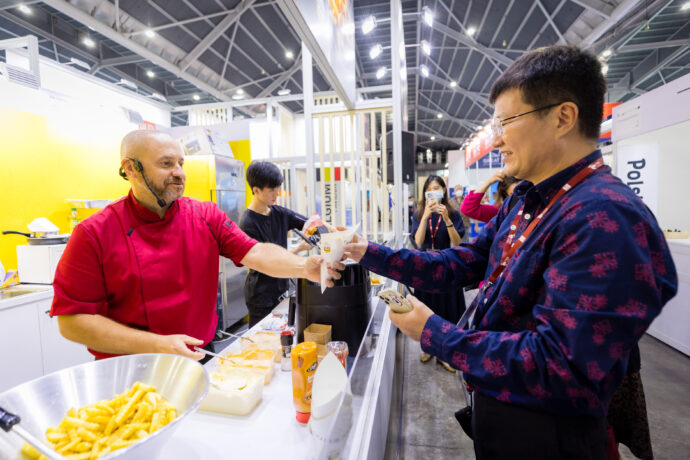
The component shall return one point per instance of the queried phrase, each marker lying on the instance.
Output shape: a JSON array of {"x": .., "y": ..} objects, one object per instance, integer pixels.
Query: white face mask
[{"x": 434, "y": 195}]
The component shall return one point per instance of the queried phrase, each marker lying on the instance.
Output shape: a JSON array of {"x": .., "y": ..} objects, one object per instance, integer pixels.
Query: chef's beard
[{"x": 169, "y": 192}]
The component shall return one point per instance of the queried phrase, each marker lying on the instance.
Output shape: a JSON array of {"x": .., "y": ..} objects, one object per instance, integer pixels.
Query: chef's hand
[
  {"x": 412, "y": 323},
  {"x": 356, "y": 248},
  {"x": 312, "y": 270},
  {"x": 177, "y": 344}
]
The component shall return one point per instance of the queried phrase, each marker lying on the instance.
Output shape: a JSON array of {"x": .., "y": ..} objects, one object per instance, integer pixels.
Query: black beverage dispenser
[{"x": 345, "y": 306}]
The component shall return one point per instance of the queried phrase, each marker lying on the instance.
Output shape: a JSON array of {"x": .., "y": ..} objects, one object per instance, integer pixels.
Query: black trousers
[
  {"x": 258, "y": 312},
  {"x": 505, "y": 431}
]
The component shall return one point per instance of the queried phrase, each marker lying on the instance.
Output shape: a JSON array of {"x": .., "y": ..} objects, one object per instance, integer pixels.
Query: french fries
[{"x": 100, "y": 428}]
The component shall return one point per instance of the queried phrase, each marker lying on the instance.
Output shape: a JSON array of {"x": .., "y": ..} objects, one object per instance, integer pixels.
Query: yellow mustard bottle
[{"x": 303, "y": 358}]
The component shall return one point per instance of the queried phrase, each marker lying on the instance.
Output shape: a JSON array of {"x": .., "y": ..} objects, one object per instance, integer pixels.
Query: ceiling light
[
  {"x": 380, "y": 73},
  {"x": 471, "y": 31},
  {"x": 196, "y": 97},
  {"x": 289, "y": 55},
  {"x": 606, "y": 53},
  {"x": 150, "y": 73},
  {"x": 150, "y": 33},
  {"x": 428, "y": 150},
  {"x": 428, "y": 16},
  {"x": 239, "y": 91},
  {"x": 426, "y": 47},
  {"x": 237, "y": 97},
  {"x": 127, "y": 83},
  {"x": 25, "y": 9},
  {"x": 284, "y": 92},
  {"x": 604, "y": 69},
  {"x": 89, "y": 42},
  {"x": 160, "y": 97},
  {"x": 453, "y": 84},
  {"x": 439, "y": 115},
  {"x": 79, "y": 63},
  {"x": 433, "y": 138},
  {"x": 685, "y": 7},
  {"x": 424, "y": 69},
  {"x": 368, "y": 25},
  {"x": 375, "y": 51}
]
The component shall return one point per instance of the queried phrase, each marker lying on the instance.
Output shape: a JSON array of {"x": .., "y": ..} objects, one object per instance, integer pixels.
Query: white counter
[
  {"x": 271, "y": 430},
  {"x": 671, "y": 326}
]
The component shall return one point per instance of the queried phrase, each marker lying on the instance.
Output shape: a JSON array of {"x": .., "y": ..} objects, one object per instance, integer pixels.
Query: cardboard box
[{"x": 319, "y": 333}]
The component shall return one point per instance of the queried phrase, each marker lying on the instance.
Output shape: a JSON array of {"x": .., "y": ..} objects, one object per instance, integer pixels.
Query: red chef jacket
[{"x": 158, "y": 275}]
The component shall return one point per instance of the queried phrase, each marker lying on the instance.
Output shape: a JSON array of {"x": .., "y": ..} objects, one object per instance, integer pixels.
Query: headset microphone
[{"x": 139, "y": 167}]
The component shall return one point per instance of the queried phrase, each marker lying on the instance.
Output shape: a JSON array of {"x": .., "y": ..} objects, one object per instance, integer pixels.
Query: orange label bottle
[{"x": 303, "y": 358}]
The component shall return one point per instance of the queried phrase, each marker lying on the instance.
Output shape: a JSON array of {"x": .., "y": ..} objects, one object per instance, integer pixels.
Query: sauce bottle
[{"x": 303, "y": 357}]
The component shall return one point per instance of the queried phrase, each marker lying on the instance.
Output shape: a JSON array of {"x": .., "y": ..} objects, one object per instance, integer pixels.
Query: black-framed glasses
[{"x": 497, "y": 124}]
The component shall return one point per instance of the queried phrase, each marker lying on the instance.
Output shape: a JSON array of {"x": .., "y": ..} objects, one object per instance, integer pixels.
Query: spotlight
[
  {"x": 25, "y": 9},
  {"x": 375, "y": 51},
  {"x": 606, "y": 53},
  {"x": 79, "y": 63},
  {"x": 428, "y": 16},
  {"x": 150, "y": 33},
  {"x": 471, "y": 31},
  {"x": 433, "y": 138},
  {"x": 685, "y": 7},
  {"x": 89, "y": 42},
  {"x": 380, "y": 73},
  {"x": 453, "y": 84},
  {"x": 439, "y": 115},
  {"x": 426, "y": 47},
  {"x": 150, "y": 73},
  {"x": 289, "y": 55},
  {"x": 604, "y": 69},
  {"x": 196, "y": 97},
  {"x": 368, "y": 25},
  {"x": 424, "y": 69}
]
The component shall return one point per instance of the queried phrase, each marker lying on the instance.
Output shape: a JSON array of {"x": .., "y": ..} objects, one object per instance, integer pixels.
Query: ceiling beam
[
  {"x": 278, "y": 82},
  {"x": 79, "y": 15},
  {"x": 215, "y": 34},
  {"x": 549, "y": 19},
  {"x": 595, "y": 6},
  {"x": 653, "y": 45},
  {"x": 465, "y": 40},
  {"x": 121, "y": 60},
  {"x": 616, "y": 15}
]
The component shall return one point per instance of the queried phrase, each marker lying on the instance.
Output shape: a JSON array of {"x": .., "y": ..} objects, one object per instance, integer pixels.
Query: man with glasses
[{"x": 572, "y": 275}]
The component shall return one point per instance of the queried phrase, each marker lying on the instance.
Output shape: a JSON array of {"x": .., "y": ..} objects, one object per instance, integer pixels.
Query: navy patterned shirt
[{"x": 555, "y": 331}]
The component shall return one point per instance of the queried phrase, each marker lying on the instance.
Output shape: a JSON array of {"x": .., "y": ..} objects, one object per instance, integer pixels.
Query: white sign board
[{"x": 638, "y": 167}]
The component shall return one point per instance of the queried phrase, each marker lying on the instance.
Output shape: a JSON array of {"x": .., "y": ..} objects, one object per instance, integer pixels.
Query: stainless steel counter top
[{"x": 24, "y": 293}]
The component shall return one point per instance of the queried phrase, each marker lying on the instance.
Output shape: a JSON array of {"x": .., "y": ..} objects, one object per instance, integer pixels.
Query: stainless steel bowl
[{"x": 43, "y": 402}]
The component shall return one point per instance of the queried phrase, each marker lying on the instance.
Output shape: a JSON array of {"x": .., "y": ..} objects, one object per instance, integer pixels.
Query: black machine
[
  {"x": 345, "y": 306},
  {"x": 409, "y": 146}
]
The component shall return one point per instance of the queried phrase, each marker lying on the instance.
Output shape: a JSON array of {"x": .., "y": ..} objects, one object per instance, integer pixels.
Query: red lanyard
[
  {"x": 511, "y": 246},
  {"x": 434, "y": 232}
]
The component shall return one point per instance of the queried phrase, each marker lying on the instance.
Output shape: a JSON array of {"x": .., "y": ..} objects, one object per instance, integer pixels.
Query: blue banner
[{"x": 490, "y": 160}]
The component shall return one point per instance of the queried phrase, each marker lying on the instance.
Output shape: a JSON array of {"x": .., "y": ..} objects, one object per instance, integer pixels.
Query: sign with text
[
  {"x": 492, "y": 160},
  {"x": 638, "y": 168}
]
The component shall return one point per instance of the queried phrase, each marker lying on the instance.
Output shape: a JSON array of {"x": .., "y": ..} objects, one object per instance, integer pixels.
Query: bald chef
[{"x": 141, "y": 276}]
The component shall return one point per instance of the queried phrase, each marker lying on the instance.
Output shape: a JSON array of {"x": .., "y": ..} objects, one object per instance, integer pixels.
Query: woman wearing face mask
[{"x": 436, "y": 225}]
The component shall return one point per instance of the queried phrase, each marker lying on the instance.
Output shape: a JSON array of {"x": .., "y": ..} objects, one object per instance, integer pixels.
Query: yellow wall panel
[
  {"x": 242, "y": 151},
  {"x": 43, "y": 164}
]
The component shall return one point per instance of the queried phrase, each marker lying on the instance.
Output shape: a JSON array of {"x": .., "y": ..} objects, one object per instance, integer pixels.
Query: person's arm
[
  {"x": 107, "y": 336},
  {"x": 472, "y": 208},
  {"x": 601, "y": 294},
  {"x": 278, "y": 262},
  {"x": 450, "y": 226},
  {"x": 434, "y": 271},
  {"x": 79, "y": 301},
  {"x": 420, "y": 234}
]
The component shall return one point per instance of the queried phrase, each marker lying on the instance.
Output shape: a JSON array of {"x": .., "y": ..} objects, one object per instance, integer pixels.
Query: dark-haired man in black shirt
[{"x": 269, "y": 223}]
